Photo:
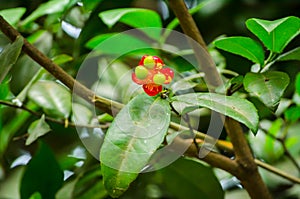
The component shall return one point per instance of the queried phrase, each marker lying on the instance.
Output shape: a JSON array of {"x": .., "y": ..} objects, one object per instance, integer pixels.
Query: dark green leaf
[
  {"x": 13, "y": 15},
  {"x": 50, "y": 7},
  {"x": 275, "y": 35},
  {"x": 237, "y": 108},
  {"x": 243, "y": 46},
  {"x": 135, "y": 17},
  {"x": 195, "y": 180},
  {"x": 52, "y": 97},
  {"x": 290, "y": 55},
  {"x": 90, "y": 185},
  {"x": 292, "y": 114},
  {"x": 37, "y": 129},
  {"x": 268, "y": 87},
  {"x": 133, "y": 137},
  {"x": 297, "y": 84},
  {"x": 111, "y": 43},
  {"x": 9, "y": 56},
  {"x": 42, "y": 175},
  {"x": 4, "y": 89}
]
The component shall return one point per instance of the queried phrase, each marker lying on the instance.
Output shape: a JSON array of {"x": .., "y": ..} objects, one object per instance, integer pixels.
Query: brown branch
[{"x": 248, "y": 172}]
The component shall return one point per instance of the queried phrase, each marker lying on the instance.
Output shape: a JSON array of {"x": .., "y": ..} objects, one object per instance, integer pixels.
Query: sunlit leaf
[
  {"x": 12, "y": 15},
  {"x": 42, "y": 175},
  {"x": 268, "y": 87},
  {"x": 9, "y": 56},
  {"x": 135, "y": 17},
  {"x": 50, "y": 7},
  {"x": 133, "y": 137},
  {"x": 61, "y": 59},
  {"x": 199, "y": 180},
  {"x": 112, "y": 43},
  {"x": 237, "y": 108},
  {"x": 275, "y": 35},
  {"x": 243, "y": 46},
  {"x": 37, "y": 129},
  {"x": 52, "y": 97}
]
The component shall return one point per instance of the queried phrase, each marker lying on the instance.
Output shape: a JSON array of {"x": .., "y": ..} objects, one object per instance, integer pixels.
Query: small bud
[
  {"x": 141, "y": 72},
  {"x": 149, "y": 62},
  {"x": 159, "y": 78}
]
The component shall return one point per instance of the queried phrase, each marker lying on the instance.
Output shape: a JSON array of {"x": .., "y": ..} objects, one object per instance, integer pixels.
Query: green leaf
[
  {"x": 61, "y": 59},
  {"x": 9, "y": 56},
  {"x": 12, "y": 15},
  {"x": 239, "y": 109},
  {"x": 268, "y": 87},
  {"x": 36, "y": 195},
  {"x": 243, "y": 46},
  {"x": 90, "y": 185},
  {"x": 37, "y": 129},
  {"x": 135, "y": 17},
  {"x": 42, "y": 175},
  {"x": 133, "y": 137},
  {"x": 112, "y": 43},
  {"x": 275, "y": 35},
  {"x": 54, "y": 99},
  {"x": 292, "y": 114},
  {"x": 50, "y": 7},
  {"x": 290, "y": 55},
  {"x": 199, "y": 180},
  {"x": 297, "y": 84}
]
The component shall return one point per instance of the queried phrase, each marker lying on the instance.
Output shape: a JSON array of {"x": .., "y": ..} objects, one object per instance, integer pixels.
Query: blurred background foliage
[{"x": 62, "y": 32}]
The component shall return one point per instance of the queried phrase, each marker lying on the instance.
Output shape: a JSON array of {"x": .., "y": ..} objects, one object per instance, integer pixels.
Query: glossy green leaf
[
  {"x": 268, "y": 87},
  {"x": 42, "y": 174},
  {"x": 50, "y": 7},
  {"x": 37, "y": 129},
  {"x": 290, "y": 55},
  {"x": 54, "y": 99},
  {"x": 135, "y": 17},
  {"x": 61, "y": 59},
  {"x": 297, "y": 84},
  {"x": 135, "y": 134},
  {"x": 275, "y": 35},
  {"x": 243, "y": 46},
  {"x": 237, "y": 108},
  {"x": 12, "y": 15},
  {"x": 195, "y": 180},
  {"x": 112, "y": 43},
  {"x": 9, "y": 56}
]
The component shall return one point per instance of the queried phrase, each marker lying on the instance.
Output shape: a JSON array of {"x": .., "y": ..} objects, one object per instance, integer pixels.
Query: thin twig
[
  {"x": 50, "y": 119},
  {"x": 285, "y": 149}
]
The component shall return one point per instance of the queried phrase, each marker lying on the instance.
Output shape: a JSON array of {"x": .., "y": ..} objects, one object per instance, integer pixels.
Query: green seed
[
  {"x": 159, "y": 78},
  {"x": 141, "y": 72},
  {"x": 149, "y": 62}
]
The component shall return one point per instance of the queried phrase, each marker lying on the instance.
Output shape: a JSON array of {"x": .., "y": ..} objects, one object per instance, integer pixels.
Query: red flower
[{"x": 151, "y": 74}]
